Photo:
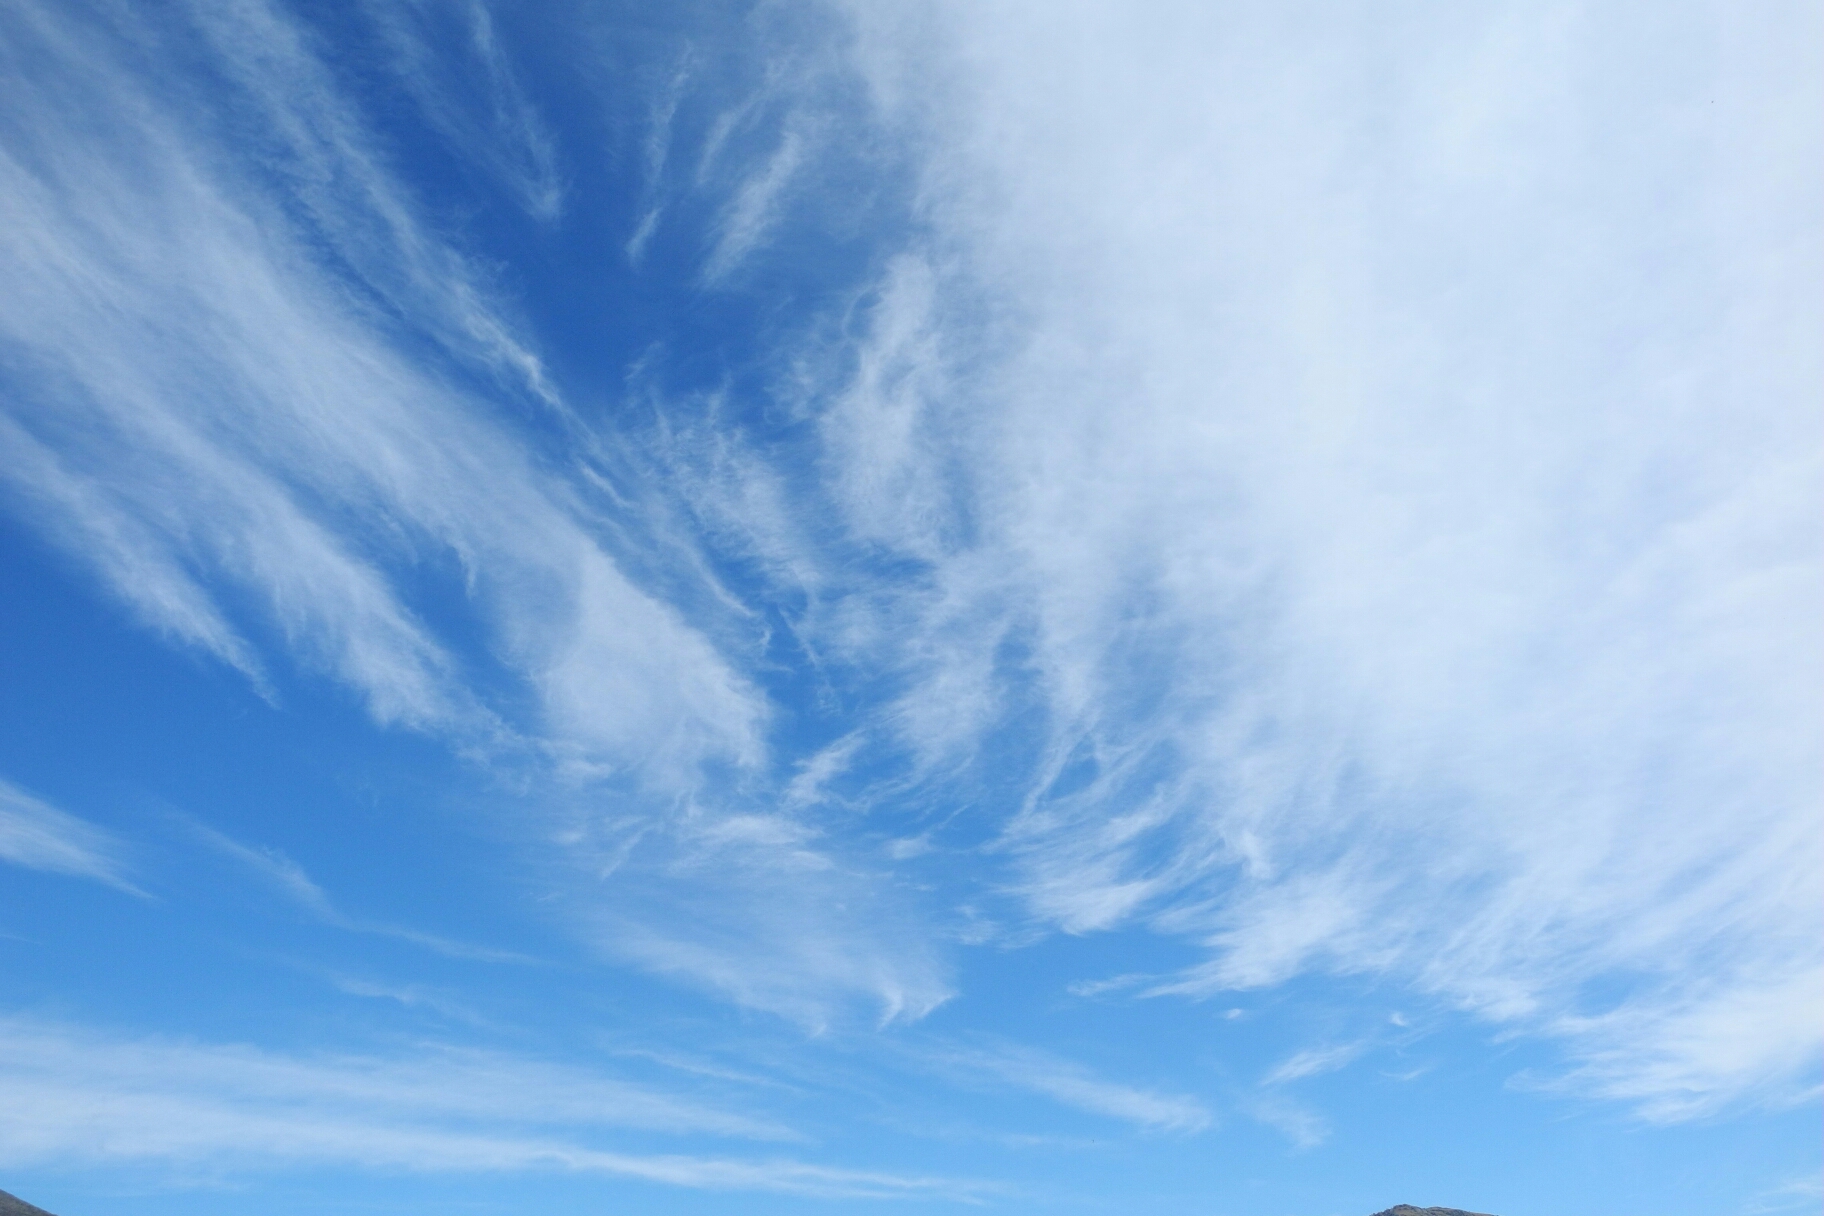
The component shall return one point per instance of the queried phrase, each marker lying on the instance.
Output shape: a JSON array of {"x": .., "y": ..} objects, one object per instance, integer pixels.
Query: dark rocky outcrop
[
  {"x": 1406, "y": 1209},
  {"x": 12, "y": 1205}
]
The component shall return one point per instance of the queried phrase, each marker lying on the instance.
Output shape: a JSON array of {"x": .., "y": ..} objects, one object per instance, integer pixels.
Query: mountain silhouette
[
  {"x": 1406, "y": 1209},
  {"x": 12, "y": 1205}
]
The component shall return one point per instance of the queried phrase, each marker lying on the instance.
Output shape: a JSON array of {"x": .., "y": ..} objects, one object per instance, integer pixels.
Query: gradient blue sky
[{"x": 1201, "y": 609}]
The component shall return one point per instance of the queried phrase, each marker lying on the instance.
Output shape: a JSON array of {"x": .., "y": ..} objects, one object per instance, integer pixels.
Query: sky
[{"x": 923, "y": 607}]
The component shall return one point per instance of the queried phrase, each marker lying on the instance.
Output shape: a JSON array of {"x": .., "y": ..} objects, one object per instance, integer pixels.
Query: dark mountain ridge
[
  {"x": 1406, "y": 1209},
  {"x": 12, "y": 1205}
]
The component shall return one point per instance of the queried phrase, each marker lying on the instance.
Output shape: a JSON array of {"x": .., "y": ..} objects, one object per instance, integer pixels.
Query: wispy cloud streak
[
  {"x": 1312, "y": 1062},
  {"x": 1070, "y": 1084},
  {"x": 77, "y": 1096},
  {"x": 289, "y": 879},
  {"x": 483, "y": 112},
  {"x": 754, "y": 207},
  {"x": 38, "y": 836}
]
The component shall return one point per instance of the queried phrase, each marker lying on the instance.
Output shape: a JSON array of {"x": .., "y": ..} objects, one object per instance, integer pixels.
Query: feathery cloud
[
  {"x": 84, "y": 1097},
  {"x": 38, "y": 836}
]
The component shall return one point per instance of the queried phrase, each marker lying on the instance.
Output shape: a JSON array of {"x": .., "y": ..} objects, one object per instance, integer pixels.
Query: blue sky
[{"x": 931, "y": 607}]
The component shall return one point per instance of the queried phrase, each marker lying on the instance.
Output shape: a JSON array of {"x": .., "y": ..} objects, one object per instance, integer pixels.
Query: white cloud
[
  {"x": 1400, "y": 469},
  {"x": 1070, "y": 1084},
  {"x": 336, "y": 183},
  {"x": 1693, "y": 1053},
  {"x": 132, "y": 557},
  {"x": 1800, "y": 1193},
  {"x": 1304, "y": 1127},
  {"x": 1313, "y": 1062},
  {"x": 215, "y": 451},
  {"x": 284, "y": 874},
  {"x": 453, "y": 1083},
  {"x": 661, "y": 119},
  {"x": 483, "y": 111},
  {"x": 410, "y": 996},
  {"x": 81, "y": 1097},
  {"x": 289, "y": 879},
  {"x": 219, "y": 397},
  {"x": 763, "y": 910},
  {"x": 807, "y": 787},
  {"x": 1376, "y": 461},
  {"x": 38, "y": 836},
  {"x": 754, "y": 208}
]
